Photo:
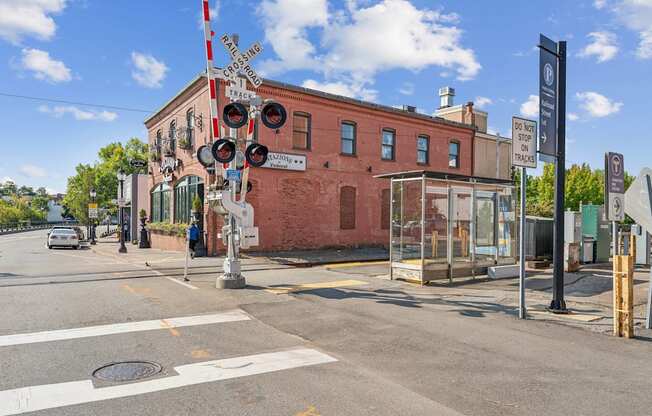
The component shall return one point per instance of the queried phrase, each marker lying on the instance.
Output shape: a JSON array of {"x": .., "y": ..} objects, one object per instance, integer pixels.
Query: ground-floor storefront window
[
  {"x": 184, "y": 193},
  {"x": 161, "y": 203}
]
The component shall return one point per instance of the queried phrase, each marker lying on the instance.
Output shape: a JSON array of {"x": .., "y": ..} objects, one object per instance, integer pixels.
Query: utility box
[
  {"x": 642, "y": 244},
  {"x": 571, "y": 257},
  {"x": 595, "y": 226},
  {"x": 572, "y": 227}
]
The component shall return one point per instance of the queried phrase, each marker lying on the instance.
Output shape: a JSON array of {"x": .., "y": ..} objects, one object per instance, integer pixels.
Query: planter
[{"x": 168, "y": 242}]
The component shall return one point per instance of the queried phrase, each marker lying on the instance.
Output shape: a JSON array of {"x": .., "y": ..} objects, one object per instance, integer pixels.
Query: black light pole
[
  {"x": 558, "y": 303},
  {"x": 121, "y": 178},
  {"x": 92, "y": 220}
]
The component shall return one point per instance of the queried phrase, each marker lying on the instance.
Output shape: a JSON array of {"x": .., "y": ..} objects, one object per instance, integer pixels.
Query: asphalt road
[{"x": 362, "y": 346}]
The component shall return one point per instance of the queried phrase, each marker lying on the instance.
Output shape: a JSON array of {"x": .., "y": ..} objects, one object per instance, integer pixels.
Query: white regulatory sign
[
  {"x": 524, "y": 143},
  {"x": 285, "y": 161},
  {"x": 235, "y": 93},
  {"x": 241, "y": 61}
]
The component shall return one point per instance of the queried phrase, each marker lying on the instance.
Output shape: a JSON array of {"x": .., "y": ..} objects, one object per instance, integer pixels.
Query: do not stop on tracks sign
[{"x": 524, "y": 144}]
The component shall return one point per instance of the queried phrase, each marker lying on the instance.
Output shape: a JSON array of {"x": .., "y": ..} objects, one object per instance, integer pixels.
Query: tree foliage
[
  {"x": 583, "y": 186},
  {"x": 102, "y": 177},
  {"x": 19, "y": 206}
]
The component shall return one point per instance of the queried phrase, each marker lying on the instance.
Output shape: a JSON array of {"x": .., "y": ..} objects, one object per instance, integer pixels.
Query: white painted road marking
[
  {"x": 49, "y": 396},
  {"x": 95, "y": 331},
  {"x": 172, "y": 279}
]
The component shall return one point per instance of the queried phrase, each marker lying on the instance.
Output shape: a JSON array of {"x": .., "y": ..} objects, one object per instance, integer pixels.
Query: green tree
[
  {"x": 102, "y": 177},
  {"x": 78, "y": 190}
]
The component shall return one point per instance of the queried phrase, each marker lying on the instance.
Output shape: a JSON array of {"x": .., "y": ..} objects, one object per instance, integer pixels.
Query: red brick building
[{"x": 335, "y": 201}]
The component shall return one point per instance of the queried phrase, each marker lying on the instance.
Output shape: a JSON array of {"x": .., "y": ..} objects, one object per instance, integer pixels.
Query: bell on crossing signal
[
  {"x": 273, "y": 115},
  {"x": 223, "y": 150},
  {"x": 235, "y": 115},
  {"x": 256, "y": 154},
  {"x": 205, "y": 156}
]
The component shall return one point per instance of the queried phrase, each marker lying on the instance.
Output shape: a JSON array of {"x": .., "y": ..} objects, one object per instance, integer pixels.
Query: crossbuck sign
[{"x": 241, "y": 61}]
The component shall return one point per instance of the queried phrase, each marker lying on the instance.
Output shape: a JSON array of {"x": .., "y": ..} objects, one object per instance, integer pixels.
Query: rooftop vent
[{"x": 409, "y": 108}]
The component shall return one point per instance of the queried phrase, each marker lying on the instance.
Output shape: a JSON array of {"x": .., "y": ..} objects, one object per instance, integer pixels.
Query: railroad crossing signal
[{"x": 240, "y": 61}]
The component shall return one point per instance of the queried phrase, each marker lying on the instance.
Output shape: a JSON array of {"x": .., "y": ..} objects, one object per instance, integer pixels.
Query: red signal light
[
  {"x": 235, "y": 115},
  {"x": 273, "y": 115},
  {"x": 256, "y": 154},
  {"x": 223, "y": 150}
]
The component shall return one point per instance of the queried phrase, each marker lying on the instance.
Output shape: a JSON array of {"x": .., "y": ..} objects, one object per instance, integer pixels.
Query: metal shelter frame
[{"x": 445, "y": 225}]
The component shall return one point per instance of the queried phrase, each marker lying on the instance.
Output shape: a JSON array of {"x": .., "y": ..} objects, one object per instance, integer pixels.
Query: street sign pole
[
  {"x": 522, "y": 313},
  {"x": 524, "y": 154},
  {"x": 558, "y": 304}
]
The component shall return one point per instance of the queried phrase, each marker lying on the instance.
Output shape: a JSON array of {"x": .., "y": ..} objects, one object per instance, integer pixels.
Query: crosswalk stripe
[
  {"x": 49, "y": 396},
  {"x": 95, "y": 331}
]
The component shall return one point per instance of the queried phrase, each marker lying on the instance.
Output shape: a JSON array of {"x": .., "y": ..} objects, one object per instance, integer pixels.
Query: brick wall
[{"x": 302, "y": 209}]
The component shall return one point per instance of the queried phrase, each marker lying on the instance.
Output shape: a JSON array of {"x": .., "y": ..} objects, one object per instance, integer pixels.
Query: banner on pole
[{"x": 548, "y": 88}]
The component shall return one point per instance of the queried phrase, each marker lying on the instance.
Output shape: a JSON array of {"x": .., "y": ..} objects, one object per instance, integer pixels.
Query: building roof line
[{"x": 340, "y": 98}]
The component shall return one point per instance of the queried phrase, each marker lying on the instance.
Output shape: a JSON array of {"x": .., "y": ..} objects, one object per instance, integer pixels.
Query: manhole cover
[{"x": 127, "y": 371}]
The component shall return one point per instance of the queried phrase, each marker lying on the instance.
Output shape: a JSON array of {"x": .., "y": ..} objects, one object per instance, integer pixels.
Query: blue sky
[{"x": 138, "y": 54}]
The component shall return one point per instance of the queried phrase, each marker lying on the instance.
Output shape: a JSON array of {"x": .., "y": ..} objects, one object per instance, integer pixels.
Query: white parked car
[{"x": 63, "y": 237}]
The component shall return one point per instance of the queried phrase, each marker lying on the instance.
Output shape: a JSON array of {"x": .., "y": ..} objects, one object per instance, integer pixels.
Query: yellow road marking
[
  {"x": 354, "y": 264},
  {"x": 137, "y": 290},
  {"x": 165, "y": 324},
  {"x": 280, "y": 290},
  {"x": 311, "y": 411},
  {"x": 574, "y": 316},
  {"x": 197, "y": 354}
]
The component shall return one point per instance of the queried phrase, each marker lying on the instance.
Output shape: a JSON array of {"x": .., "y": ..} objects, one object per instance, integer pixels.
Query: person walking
[{"x": 193, "y": 237}]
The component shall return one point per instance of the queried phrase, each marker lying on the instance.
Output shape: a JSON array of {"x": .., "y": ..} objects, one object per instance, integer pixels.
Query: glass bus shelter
[{"x": 445, "y": 226}]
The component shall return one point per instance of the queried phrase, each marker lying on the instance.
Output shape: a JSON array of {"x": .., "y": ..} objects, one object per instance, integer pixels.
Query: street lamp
[
  {"x": 121, "y": 178},
  {"x": 93, "y": 194}
]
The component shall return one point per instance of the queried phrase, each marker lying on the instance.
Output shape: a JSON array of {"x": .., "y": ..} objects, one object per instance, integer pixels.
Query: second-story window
[
  {"x": 159, "y": 141},
  {"x": 388, "y": 141},
  {"x": 347, "y": 146},
  {"x": 422, "y": 150},
  {"x": 190, "y": 126},
  {"x": 173, "y": 135},
  {"x": 301, "y": 130},
  {"x": 454, "y": 155}
]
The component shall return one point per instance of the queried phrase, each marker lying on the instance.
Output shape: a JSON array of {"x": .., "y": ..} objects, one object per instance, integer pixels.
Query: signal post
[{"x": 232, "y": 157}]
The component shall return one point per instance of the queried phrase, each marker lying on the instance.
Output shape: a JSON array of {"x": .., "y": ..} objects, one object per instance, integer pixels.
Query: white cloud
[
  {"x": 599, "y": 4},
  {"x": 572, "y": 117},
  {"x": 603, "y": 46},
  {"x": 353, "y": 90},
  {"x": 637, "y": 16},
  {"x": 597, "y": 105},
  {"x": 7, "y": 179},
  {"x": 407, "y": 88},
  {"x": 78, "y": 114},
  {"x": 32, "y": 171},
  {"x": 21, "y": 18},
  {"x": 483, "y": 101},
  {"x": 44, "y": 67},
  {"x": 346, "y": 46},
  {"x": 148, "y": 71},
  {"x": 530, "y": 108}
]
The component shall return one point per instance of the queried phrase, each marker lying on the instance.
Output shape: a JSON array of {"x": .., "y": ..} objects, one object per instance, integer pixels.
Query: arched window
[
  {"x": 184, "y": 193},
  {"x": 161, "y": 203}
]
